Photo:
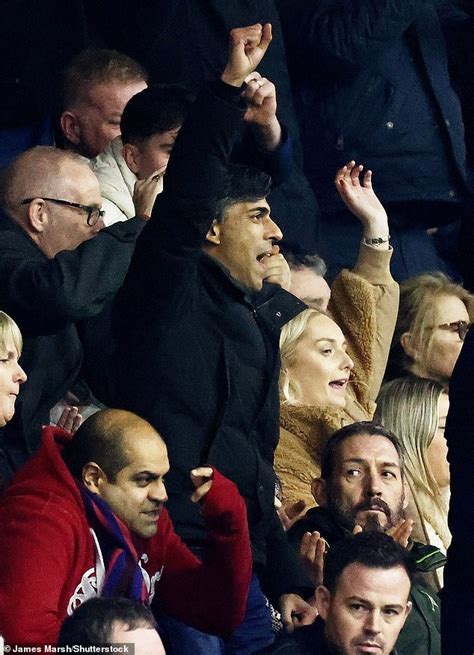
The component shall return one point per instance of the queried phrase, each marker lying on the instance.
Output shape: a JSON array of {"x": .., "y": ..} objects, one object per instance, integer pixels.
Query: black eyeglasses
[
  {"x": 93, "y": 213},
  {"x": 461, "y": 327}
]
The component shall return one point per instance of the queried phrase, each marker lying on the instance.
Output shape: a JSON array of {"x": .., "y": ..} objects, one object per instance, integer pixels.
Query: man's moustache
[{"x": 373, "y": 504}]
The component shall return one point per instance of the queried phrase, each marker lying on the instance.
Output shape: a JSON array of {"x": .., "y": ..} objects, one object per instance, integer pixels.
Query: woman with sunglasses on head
[{"x": 434, "y": 317}]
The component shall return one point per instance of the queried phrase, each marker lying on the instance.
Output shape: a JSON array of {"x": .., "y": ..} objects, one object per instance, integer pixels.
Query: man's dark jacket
[
  {"x": 46, "y": 297},
  {"x": 458, "y": 593},
  {"x": 421, "y": 633},
  {"x": 198, "y": 353}
]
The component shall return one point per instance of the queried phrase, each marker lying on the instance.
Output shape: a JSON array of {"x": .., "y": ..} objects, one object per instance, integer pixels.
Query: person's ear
[
  {"x": 408, "y": 609},
  {"x": 406, "y": 493},
  {"x": 318, "y": 489},
  {"x": 37, "y": 215},
  {"x": 131, "y": 154},
  {"x": 214, "y": 233},
  {"x": 406, "y": 342},
  {"x": 93, "y": 477},
  {"x": 323, "y": 601},
  {"x": 70, "y": 127}
]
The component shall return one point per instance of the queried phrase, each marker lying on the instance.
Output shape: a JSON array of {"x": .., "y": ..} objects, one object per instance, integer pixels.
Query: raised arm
[
  {"x": 210, "y": 595},
  {"x": 365, "y": 300}
]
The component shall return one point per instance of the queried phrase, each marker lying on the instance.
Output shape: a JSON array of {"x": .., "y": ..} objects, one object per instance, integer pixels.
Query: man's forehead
[
  {"x": 366, "y": 447},
  {"x": 145, "y": 450},
  {"x": 112, "y": 96},
  {"x": 78, "y": 178},
  {"x": 376, "y": 586}
]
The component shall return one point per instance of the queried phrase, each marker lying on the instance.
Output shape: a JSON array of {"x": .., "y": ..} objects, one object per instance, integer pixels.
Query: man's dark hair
[
  {"x": 92, "y": 622},
  {"x": 97, "y": 66},
  {"x": 375, "y": 550},
  {"x": 242, "y": 184},
  {"x": 153, "y": 111},
  {"x": 332, "y": 447},
  {"x": 101, "y": 439},
  {"x": 297, "y": 257}
]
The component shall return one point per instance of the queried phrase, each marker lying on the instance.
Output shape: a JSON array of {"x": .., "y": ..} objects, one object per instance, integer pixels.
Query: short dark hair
[
  {"x": 332, "y": 446},
  {"x": 97, "y": 66},
  {"x": 93, "y": 621},
  {"x": 242, "y": 184},
  {"x": 154, "y": 110},
  {"x": 375, "y": 550},
  {"x": 102, "y": 439},
  {"x": 298, "y": 257}
]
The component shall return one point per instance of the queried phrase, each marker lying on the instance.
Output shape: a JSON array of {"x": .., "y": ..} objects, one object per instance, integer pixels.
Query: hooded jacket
[{"x": 50, "y": 559}]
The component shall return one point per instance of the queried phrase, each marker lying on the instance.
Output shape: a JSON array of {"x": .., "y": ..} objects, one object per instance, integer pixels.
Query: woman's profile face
[
  {"x": 437, "y": 452},
  {"x": 11, "y": 376},
  {"x": 322, "y": 367},
  {"x": 446, "y": 343}
]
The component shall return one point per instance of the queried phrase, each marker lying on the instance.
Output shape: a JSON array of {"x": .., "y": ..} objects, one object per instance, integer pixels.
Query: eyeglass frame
[
  {"x": 67, "y": 203},
  {"x": 461, "y": 327}
]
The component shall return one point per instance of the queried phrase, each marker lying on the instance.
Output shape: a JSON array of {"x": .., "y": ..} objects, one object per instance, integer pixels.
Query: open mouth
[
  {"x": 339, "y": 385},
  {"x": 262, "y": 256}
]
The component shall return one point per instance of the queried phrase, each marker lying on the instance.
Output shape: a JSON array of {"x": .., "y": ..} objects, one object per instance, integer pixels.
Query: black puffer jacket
[{"x": 198, "y": 354}]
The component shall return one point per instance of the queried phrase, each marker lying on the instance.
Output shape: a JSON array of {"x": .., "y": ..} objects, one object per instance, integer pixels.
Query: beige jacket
[{"x": 364, "y": 303}]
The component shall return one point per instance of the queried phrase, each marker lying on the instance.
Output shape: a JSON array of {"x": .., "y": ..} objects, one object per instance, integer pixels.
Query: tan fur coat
[{"x": 364, "y": 304}]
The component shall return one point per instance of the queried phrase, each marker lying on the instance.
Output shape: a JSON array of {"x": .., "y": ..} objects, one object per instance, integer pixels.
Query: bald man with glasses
[{"x": 57, "y": 268}]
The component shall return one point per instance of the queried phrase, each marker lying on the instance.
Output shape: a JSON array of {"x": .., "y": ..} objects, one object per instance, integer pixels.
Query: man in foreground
[
  {"x": 85, "y": 517},
  {"x": 106, "y": 621},
  {"x": 363, "y": 602}
]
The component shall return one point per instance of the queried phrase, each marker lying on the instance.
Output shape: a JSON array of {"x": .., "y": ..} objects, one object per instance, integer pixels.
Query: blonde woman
[
  {"x": 415, "y": 409},
  {"x": 11, "y": 373},
  {"x": 434, "y": 316},
  {"x": 332, "y": 364}
]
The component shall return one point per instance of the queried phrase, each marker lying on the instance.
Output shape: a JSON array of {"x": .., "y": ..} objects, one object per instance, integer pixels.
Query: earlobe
[
  {"x": 318, "y": 489},
  {"x": 70, "y": 127},
  {"x": 214, "y": 233},
  {"x": 132, "y": 157},
  {"x": 93, "y": 477}
]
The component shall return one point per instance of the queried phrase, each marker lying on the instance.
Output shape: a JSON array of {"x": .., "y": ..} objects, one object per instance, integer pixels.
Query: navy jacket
[
  {"x": 198, "y": 353},
  {"x": 372, "y": 84}
]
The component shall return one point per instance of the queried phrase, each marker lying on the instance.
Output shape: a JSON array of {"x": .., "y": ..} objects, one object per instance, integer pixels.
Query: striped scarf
[{"x": 123, "y": 575}]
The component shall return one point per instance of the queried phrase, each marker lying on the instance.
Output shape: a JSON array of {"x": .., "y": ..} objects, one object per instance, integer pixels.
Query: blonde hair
[
  {"x": 409, "y": 408},
  {"x": 290, "y": 335},
  {"x": 9, "y": 330},
  {"x": 416, "y": 314}
]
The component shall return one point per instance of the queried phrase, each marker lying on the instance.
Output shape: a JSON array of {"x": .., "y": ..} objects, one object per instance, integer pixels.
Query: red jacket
[{"x": 50, "y": 563}]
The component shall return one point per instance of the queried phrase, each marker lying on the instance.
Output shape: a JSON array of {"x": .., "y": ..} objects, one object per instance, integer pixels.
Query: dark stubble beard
[{"x": 346, "y": 515}]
